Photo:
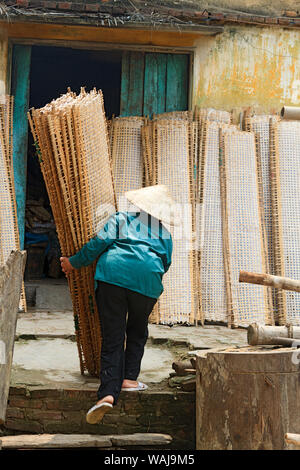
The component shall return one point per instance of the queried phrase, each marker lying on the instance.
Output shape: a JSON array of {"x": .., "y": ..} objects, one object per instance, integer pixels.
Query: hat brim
[{"x": 156, "y": 201}]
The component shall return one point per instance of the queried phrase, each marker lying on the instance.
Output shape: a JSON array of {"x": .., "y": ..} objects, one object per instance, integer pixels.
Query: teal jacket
[{"x": 132, "y": 253}]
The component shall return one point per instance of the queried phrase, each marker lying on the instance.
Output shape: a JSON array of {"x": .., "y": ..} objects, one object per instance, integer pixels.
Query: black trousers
[{"x": 123, "y": 315}]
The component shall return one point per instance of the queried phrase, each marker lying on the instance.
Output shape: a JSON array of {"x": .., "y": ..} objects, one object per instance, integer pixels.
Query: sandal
[
  {"x": 96, "y": 413},
  {"x": 139, "y": 388}
]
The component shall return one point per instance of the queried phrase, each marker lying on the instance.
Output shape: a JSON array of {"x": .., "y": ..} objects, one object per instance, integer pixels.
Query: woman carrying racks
[{"x": 134, "y": 252}]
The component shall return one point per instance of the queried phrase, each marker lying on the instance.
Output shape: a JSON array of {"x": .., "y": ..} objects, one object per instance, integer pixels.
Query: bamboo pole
[
  {"x": 262, "y": 334},
  {"x": 293, "y": 439},
  {"x": 290, "y": 112},
  {"x": 270, "y": 280}
]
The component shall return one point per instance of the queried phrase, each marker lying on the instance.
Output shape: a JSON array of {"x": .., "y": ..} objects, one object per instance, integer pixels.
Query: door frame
[
  {"x": 190, "y": 51},
  {"x": 100, "y": 46}
]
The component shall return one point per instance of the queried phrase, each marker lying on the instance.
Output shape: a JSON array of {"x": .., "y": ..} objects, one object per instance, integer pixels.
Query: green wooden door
[
  {"x": 153, "y": 83},
  {"x": 20, "y": 90}
]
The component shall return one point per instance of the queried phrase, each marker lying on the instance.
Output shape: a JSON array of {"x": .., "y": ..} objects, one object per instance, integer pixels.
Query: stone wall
[{"x": 40, "y": 410}]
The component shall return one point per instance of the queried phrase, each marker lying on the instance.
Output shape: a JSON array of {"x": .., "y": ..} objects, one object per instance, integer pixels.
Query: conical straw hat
[{"x": 156, "y": 201}]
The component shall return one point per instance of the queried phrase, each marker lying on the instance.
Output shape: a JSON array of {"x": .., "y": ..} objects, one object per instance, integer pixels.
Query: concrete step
[
  {"x": 66, "y": 441},
  {"x": 48, "y": 295}
]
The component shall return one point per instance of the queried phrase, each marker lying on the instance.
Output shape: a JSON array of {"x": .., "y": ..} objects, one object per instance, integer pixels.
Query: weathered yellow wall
[
  {"x": 248, "y": 67},
  {"x": 244, "y": 66}
]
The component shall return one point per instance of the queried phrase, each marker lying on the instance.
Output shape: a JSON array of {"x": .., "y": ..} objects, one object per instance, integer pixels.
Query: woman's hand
[{"x": 66, "y": 265}]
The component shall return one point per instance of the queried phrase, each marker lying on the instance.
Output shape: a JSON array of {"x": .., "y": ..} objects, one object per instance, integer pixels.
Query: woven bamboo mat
[
  {"x": 286, "y": 213},
  {"x": 71, "y": 139},
  {"x": 212, "y": 282},
  {"x": 177, "y": 115},
  {"x": 211, "y": 114},
  {"x": 261, "y": 126},
  {"x": 127, "y": 157},
  {"x": 169, "y": 161},
  {"x": 242, "y": 229},
  {"x": 9, "y": 231},
  {"x": 201, "y": 116}
]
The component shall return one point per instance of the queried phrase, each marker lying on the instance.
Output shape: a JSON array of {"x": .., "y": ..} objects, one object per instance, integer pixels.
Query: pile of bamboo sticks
[{"x": 70, "y": 135}]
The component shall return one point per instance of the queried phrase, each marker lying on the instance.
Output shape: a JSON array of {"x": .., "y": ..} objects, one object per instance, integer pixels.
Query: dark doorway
[{"x": 53, "y": 70}]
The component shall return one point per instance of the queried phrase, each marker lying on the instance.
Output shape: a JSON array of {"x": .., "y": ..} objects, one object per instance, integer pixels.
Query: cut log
[
  {"x": 287, "y": 342},
  {"x": 293, "y": 440},
  {"x": 261, "y": 334},
  {"x": 64, "y": 441},
  {"x": 193, "y": 362},
  {"x": 271, "y": 281},
  {"x": 246, "y": 399},
  {"x": 180, "y": 368},
  {"x": 11, "y": 277},
  {"x": 191, "y": 371},
  {"x": 290, "y": 112},
  {"x": 178, "y": 380}
]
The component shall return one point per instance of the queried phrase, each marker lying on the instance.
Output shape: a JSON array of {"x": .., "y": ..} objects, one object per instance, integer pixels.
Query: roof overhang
[{"x": 68, "y": 18}]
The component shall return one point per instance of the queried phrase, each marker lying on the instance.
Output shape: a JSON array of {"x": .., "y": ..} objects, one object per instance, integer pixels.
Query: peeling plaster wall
[
  {"x": 244, "y": 66},
  {"x": 248, "y": 66}
]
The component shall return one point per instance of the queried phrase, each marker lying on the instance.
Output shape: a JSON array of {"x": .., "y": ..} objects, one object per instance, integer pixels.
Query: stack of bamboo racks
[
  {"x": 162, "y": 151},
  {"x": 71, "y": 140},
  {"x": 126, "y": 153},
  {"x": 168, "y": 143},
  {"x": 247, "y": 188},
  {"x": 229, "y": 221},
  {"x": 9, "y": 232},
  {"x": 278, "y": 151},
  {"x": 183, "y": 151},
  {"x": 9, "y": 239},
  {"x": 220, "y": 176}
]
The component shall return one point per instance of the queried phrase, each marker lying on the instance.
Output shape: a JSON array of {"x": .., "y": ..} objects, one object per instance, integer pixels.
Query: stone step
[
  {"x": 159, "y": 409},
  {"x": 48, "y": 295},
  {"x": 65, "y": 441}
]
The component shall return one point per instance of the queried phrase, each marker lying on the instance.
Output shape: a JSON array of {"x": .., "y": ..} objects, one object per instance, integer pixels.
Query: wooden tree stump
[{"x": 247, "y": 399}]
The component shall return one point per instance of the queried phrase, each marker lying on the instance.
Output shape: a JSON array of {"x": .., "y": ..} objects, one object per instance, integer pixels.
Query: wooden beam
[
  {"x": 33, "y": 31},
  {"x": 262, "y": 334},
  {"x": 271, "y": 281},
  {"x": 64, "y": 441}
]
